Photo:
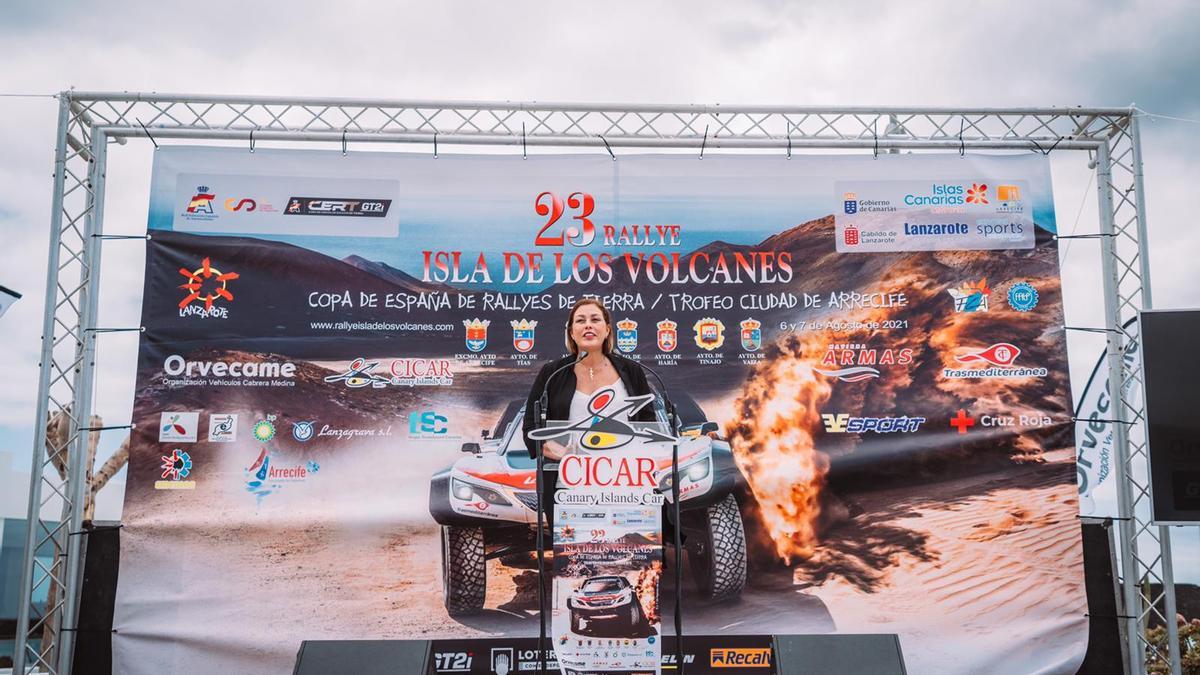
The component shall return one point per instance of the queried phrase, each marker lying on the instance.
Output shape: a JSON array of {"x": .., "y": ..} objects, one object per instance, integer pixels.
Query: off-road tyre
[
  {"x": 464, "y": 570},
  {"x": 717, "y": 556}
]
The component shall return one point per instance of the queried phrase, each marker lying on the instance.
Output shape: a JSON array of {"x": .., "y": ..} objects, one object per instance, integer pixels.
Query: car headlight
[
  {"x": 699, "y": 471},
  {"x": 466, "y": 491}
]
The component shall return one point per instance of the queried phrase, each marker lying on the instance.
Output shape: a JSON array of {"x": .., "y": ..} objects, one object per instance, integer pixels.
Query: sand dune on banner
[{"x": 1002, "y": 589}]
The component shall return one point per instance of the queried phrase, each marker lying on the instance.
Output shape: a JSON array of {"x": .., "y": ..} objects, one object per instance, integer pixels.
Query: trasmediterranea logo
[
  {"x": 998, "y": 361},
  {"x": 205, "y": 289}
]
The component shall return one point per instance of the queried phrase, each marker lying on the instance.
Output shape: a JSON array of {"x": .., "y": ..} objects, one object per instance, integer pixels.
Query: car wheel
[
  {"x": 718, "y": 556},
  {"x": 464, "y": 570}
]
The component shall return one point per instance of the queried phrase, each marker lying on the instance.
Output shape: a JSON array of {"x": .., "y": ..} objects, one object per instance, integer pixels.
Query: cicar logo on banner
[{"x": 403, "y": 372}]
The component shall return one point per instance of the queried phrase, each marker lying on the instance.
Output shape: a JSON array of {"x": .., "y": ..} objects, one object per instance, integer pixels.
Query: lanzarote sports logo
[{"x": 206, "y": 285}]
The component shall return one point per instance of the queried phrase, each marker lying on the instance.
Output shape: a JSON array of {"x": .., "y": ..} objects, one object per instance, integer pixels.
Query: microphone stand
[
  {"x": 673, "y": 421},
  {"x": 540, "y": 411}
]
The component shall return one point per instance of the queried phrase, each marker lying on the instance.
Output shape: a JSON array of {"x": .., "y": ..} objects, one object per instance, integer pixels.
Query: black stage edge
[
  {"x": 101, "y": 547},
  {"x": 94, "y": 646}
]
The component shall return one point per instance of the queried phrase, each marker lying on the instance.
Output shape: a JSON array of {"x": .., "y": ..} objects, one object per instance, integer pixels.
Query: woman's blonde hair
[{"x": 609, "y": 341}]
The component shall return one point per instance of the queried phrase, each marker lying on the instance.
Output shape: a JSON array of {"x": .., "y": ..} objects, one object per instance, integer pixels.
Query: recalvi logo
[{"x": 759, "y": 657}]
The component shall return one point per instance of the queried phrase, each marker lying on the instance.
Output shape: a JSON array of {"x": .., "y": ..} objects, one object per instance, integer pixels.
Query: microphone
[
  {"x": 543, "y": 403},
  {"x": 673, "y": 420}
]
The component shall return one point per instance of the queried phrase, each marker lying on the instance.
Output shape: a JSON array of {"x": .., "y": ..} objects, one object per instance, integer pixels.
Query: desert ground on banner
[{"x": 950, "y": 566}]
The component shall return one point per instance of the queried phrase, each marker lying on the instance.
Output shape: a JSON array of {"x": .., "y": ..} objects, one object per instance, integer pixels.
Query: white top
[{"x": 579, "y": 402}]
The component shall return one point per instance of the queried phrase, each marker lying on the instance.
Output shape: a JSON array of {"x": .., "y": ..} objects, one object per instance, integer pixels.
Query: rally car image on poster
[
  {"x": 486, "y": 505},
  {"x": 604, "y": 600}
]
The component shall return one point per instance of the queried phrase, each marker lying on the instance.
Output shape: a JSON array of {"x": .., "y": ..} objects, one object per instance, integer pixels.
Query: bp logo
[
  {"x": 264, "y": 430},
  {"x": 627, "y": 335},
  {"x": 1022, "y": 296}
]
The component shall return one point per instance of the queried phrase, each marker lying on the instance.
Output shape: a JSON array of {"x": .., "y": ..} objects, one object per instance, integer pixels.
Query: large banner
[{"x": 871, "y": 350}]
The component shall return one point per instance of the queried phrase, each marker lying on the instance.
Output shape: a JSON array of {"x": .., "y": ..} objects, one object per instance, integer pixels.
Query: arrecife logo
[
  {"x": 337, "y": 206},
  {"x": 206, "y": 284},
  {"x": 1001, "y": 356}
]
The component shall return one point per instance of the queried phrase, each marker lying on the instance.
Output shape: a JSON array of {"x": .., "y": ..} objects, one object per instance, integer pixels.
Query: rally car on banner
[{"x": 486, "y": 501}]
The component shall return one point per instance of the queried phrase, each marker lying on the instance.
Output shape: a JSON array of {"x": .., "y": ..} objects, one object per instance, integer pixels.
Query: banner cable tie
[
  {"x": 1093, "y": 330},
  {"x": 789, "y": 141},
  {"x": 343, "y": 141},
  {"x": 609, "y": 148},
  {"x": 962, "y": 145},
  {"x": 1087, "y": 419},
  {"x": 876, "y": 135},
  {"x": 704, "y": 142},
  {"x": 140, "y": 329},
  {"x": 252, "y": 140},
  {"x": 139, "y": 121},
  {"x": 1108, "y": 519},
  {"x": 524, "y": 150},
  {"x": 1109, "y": 616},
  {"x": 435, "y": 145},
  {"x": 122, "y": 236},
  {"x": 1097, "y": 235},
  {"x": 102, "y": 528},
  {"x": 115, "y": 426},
  {"x": 1052, "y": 147}
]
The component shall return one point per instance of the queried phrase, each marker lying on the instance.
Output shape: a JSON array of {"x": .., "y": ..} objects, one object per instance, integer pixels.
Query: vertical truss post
[
  {"x": 85, "y": 371},
  {"x": 1164, "y": 532},
  {"x": 1114, "y": 338},
  {"x": 34, "y": 524}
]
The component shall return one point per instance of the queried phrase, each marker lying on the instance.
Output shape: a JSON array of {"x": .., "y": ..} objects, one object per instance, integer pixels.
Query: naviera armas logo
[{"x": 206, "y": 286}]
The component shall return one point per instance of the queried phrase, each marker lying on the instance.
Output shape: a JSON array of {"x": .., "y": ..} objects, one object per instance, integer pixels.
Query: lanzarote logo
[
  {"x": 977, "y": 194},
  {"x": 206, "y": 285}
]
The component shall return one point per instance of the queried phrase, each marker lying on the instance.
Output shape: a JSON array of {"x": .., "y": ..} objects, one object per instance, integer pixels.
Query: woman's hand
[{"x": 555, "y": 451}]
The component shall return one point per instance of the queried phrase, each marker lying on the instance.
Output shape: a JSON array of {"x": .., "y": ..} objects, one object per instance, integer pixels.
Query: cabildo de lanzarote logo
[{"x": 206, "y": 286}]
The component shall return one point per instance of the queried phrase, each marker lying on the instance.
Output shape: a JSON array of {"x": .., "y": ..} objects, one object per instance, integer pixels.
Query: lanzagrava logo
[{"x": 180, "y": 372}]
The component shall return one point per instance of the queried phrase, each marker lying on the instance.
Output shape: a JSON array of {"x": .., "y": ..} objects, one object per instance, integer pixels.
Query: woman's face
[{"x": 589, "y": 329}]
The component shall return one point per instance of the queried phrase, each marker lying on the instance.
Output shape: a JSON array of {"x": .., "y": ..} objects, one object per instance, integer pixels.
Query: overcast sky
[{"x": 851, "y": 53}]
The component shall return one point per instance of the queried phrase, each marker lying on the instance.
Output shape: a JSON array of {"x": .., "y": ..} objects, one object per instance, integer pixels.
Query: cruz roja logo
[
  {"x": 841, "y": 423},
  {"x": 206, "y": 284},
  {"x": 962, "y": 422}
]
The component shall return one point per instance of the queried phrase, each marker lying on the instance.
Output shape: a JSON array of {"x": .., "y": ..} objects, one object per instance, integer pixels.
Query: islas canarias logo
[{"x": 206, "y": 286}]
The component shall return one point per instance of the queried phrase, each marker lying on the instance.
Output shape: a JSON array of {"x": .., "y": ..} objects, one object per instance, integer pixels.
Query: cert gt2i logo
[
  {"x": 205, "y": 287},
  {"x": 337, "y": 206},
  {"x": 842, "y": 423},
  {"x": 456, "y": 662}
]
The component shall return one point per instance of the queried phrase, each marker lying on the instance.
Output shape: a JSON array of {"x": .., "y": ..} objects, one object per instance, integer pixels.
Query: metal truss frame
[{"x": 89, "y": 121}]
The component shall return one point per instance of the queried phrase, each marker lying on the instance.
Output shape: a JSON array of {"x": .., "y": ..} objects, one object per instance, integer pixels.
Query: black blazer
[{"x": 562, "y": 390}]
